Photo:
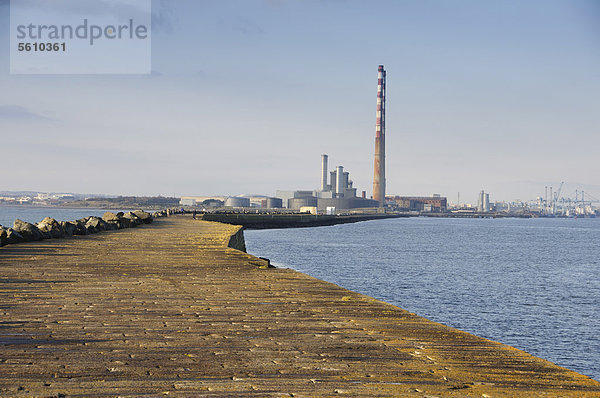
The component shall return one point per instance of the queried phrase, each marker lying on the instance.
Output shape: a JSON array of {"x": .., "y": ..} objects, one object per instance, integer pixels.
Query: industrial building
[
  {"x": 435, "y": 203},
  {"x": 255, "y": 201},
  {"x": 483, "y": 202},
  {"x": 209, "y": 201},
  {"x": 336, "y": 191}
]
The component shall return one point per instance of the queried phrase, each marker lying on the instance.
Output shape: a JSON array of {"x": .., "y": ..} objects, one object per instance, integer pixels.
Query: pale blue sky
[{"x": 246, "y": 95}]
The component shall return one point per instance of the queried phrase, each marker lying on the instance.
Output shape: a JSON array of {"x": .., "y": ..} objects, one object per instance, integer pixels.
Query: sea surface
[
  {"x": 533, "y": 284},
  {"x": 34, "y": 214}
]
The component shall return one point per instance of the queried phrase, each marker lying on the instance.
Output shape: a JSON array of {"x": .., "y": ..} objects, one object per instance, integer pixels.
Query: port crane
[
  {"x": 556, "y": 197},
  {"x": 557, "y": 205}
]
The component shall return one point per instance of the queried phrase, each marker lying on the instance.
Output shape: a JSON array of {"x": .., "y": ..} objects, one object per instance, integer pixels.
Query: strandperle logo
[
  {"x": 80, "y": 36},
  {"x": 85, "y": 31}
]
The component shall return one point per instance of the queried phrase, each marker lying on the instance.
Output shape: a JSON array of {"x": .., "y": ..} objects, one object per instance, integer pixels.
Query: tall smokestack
[
  {"x": 379, "y": 175},
  {"x": 339, "y": 184},
  {"x": 323, "y": 172}
]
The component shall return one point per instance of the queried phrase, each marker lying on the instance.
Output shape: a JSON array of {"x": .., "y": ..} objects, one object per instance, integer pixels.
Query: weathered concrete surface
[{"x": 168, "y": 310}]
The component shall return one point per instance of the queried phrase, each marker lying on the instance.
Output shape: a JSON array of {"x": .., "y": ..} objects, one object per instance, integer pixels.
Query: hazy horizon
[{"x": 245, "y": 96}]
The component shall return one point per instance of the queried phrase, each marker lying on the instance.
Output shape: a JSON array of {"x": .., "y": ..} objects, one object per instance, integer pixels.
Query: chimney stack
[
  {"x": 324, "y": 173},
  {"x": 339, "y": 185},
  {"x": 379, "y": 175}
]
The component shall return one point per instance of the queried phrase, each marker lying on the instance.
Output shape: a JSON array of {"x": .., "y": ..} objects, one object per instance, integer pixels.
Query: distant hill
[
  {"x": 17, "y": 194},
  {"x": 125, "y": 202}
]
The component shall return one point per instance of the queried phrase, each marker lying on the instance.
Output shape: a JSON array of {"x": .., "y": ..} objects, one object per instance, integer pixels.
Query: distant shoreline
[{"x": 75, "y": 207}]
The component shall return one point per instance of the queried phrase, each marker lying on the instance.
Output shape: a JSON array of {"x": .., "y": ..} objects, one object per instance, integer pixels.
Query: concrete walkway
[{"x": 167, "y": 309}]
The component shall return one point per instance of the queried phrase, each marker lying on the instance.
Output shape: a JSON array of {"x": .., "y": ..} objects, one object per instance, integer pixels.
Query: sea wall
[
  {"x": 237, "y": 241},
  {"x": 268, "y": 221},
  {"x": 49, "y": 228}
]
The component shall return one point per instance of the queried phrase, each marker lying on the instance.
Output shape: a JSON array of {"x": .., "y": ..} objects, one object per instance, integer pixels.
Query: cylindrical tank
[
  {"x": 297, "y": 203},
  {"x": 274, "y": 203},
  {"x": 237, "y": 202}
]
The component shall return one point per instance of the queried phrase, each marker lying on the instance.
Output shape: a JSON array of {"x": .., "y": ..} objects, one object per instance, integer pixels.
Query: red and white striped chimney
[{"x": 379, "y": 175}]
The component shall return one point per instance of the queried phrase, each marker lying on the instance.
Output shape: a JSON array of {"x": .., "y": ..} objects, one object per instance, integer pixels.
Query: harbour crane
[{"x": 556, "y": 197}]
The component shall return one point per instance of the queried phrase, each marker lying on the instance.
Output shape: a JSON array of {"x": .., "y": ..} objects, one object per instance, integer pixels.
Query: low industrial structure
[
  {"x": 207, "y": 201},
  {"x": 243, "y": 201},
  {"x": 433, "y": 204}
]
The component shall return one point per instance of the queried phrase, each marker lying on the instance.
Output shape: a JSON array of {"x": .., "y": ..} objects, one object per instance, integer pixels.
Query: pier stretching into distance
[
  {"x": 173, "y": 308},
  {"x": 282, "y": 220}
]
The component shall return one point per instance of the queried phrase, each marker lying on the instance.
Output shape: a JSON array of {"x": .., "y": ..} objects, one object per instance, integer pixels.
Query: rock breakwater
[{"x": 49, "y": 228}]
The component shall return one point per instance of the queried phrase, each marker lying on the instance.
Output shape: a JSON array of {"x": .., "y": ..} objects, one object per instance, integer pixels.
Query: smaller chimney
[
  {"x": 339, "y": 185},
  {"x": 324, "y": 172}
]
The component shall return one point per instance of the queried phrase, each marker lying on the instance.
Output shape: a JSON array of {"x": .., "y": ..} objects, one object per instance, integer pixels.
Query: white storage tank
[{"x": 237, "y": 202}]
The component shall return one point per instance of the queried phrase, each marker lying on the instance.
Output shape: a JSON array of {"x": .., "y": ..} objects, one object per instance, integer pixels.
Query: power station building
[{"x": 336, "y": 191}]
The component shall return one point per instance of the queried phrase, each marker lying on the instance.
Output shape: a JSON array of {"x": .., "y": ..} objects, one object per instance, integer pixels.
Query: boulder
[
  {"x": 3, "y": 236},
  {"x": 68, "y": 228},
  {"x": 110, "y": 217},
  {"x": 124, "y": 222},
  {"x": 45, "y": 235},
  {"x": 134, "y": 220},
  {"x": 28, "y": 231},
  {"x": 112, "y": 220},
  {"x": 50, "y": 228},
  {"x": 13, "y": 236},
  {"x": 104, "y": 226},
  {"x": 80, "y": 228},
  {"x": 145, "y": 217},
  {"x": 96, "y": 224},
  {"x": 158, "y": 214}
]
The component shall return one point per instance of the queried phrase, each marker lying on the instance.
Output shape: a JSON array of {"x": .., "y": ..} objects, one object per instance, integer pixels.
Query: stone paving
[{"x": 169, "y": 310}]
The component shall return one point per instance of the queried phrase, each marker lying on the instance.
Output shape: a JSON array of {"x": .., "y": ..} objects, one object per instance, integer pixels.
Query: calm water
[
  {"x": 531, "y": 283},
  {"x": 36, "y": 214}
]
